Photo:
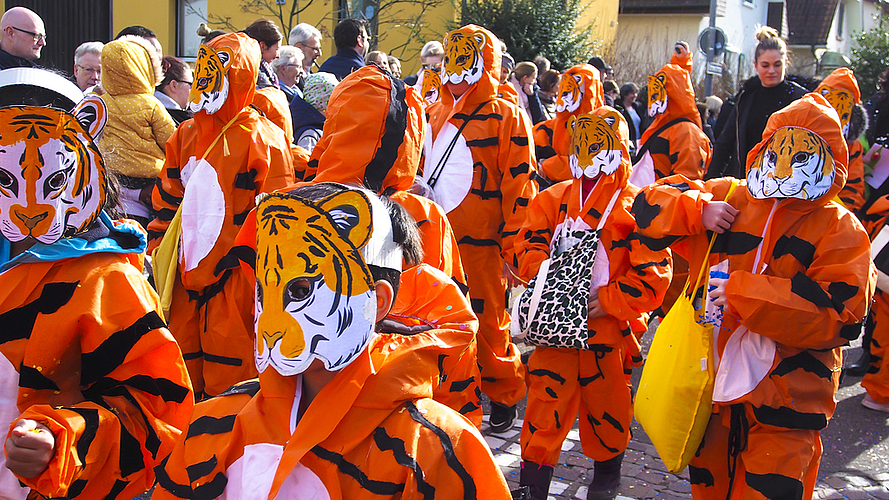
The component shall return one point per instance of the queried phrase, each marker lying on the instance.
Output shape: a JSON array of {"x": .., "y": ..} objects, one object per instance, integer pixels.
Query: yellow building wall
[
  {"x": 160, "y": 18},
  {"x": 643, "y": 43},
  {"x": 602, "y": 15}
]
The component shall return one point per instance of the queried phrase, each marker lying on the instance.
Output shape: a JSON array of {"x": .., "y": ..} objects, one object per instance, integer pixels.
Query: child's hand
[
  {"x": 29, "y": 448},
  {"x": 594, "y": 308},
  {"x": 718, "y": 292},
  {"x": 718, "y": 216}
]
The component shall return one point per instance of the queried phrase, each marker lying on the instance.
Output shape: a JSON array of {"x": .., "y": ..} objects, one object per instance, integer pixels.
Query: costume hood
[
  {"x": 671, "y": 96},
  {"x": 606, "y": 130},
  {"x": 374, "y": 133},
  {"x": 811, "y": 114},
  {"x": 580, "y": 91},
  {"x": 472, "y": 54},
  {"x": 130, "y": 65},
  {"x": 224, "y": 77},
  {"x": 840, "y": 88}
]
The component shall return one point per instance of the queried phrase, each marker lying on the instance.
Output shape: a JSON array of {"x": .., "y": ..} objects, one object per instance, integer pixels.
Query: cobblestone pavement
[{"x": 855, "y": 464}]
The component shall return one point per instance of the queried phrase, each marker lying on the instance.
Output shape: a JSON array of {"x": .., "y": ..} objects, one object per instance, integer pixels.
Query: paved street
[{"x": 855, "y": 464}]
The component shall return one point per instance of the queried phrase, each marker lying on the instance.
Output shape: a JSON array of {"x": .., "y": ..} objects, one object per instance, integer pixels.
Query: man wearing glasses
[
  {"x": 307, "y": 38},
  {"x": 88, "y": 65},
  {"x": 22, "y": 36}
]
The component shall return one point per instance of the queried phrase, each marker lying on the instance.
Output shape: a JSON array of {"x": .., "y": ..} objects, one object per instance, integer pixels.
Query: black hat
[{"x": 601, "y": 65}]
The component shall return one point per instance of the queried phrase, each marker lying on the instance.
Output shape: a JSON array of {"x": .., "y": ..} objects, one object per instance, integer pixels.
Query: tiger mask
[
  {"x": 794, "y": 163},
  {"x": 431, "y": 88},
  {"x": 463, "y": 61},
  {"x": 210, "y": 87},
  {"x": 595, "y": 144},
  {"x": 315, "y": 294},
  {"x": 570, "y": 93},
  {"x": 52, "y": 176},
  {"x": 657, "y": 94},
  {"x": 842, "y": 101}
]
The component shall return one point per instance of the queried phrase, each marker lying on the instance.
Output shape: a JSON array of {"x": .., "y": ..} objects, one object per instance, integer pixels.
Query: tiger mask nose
[{"x": 30, "y": 222}]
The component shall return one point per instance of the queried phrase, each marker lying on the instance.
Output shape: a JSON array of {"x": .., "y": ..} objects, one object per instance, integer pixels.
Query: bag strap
[
  {"x": 535, "y": 296},
  {"x": 644, "y": 148},
  {"x": 608, "y": 210},
  {"x": 704, "y": 265},
  {"x": 439, "y": 167}
]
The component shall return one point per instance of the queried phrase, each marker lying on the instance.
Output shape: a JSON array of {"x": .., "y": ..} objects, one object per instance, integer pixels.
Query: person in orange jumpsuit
[
  {"x": 840, "y": 88},
  {"x": 374, "y": 138},
  {"x": 876, "y": 378},
  {"x": 479, "y": 164},
  {"x": 580, "y": 91},
  {"x": 94, "y": 390},
  {"x": 216, "y": 165},
  {"x": 629, "y": 278},
  {"x": 339, "y": 411},
  {"x": 674, "y": 140},
  {"x": 800, "y": 282}
]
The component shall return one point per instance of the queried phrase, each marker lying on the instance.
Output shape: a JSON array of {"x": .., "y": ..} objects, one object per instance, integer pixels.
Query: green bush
[
  {"x": 536, "y": 27},
  {"x": 870, "y": 57}
]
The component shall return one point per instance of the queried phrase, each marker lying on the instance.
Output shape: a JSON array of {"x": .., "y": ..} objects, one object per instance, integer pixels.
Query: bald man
[{"x": 22, "y": 36}]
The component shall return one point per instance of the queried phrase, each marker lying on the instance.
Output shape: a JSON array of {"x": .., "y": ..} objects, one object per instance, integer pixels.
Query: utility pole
[{"x": 711, "y": 49}]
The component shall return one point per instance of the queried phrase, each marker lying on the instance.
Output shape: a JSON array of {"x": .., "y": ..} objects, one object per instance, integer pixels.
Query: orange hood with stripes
[
  {"x": 670, "y": 92},
  {"x": 470, "y": 52},
  {"x": 367, "y": 144},
  {"x": 584, "y": 80},
  {"x": 840, "y": 88},
  {"x": 229, "y": 67}
]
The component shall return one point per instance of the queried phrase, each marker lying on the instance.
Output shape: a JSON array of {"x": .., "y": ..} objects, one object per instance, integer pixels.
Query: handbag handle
[
  {"x": 704, "y": 265},
  {"x": 535, "y": 298}
]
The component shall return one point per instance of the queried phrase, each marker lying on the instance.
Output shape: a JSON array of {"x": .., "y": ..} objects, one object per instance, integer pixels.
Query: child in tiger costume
[
  {"x": 674, "y": 140},
  {"x": 580, "y": 91},
  {"x": 840, "y": 88},
  {"x": 337, "y": 412},
  {"x": 216, "y": 165},
  {"x": 479, "y": 164},
  {"x": 629, "y": 278},
  {"x": 374, "y": 138},
  {"x": 800, "y": 280},
  {"x": 94, "y": 388}
]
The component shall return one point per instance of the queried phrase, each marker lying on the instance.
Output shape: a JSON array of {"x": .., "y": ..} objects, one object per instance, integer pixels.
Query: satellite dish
[{"x": 719, "y": 42}]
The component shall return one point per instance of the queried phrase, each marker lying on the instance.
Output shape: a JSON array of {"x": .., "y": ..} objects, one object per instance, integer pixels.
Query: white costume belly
[{"x": 448, "y": 174}]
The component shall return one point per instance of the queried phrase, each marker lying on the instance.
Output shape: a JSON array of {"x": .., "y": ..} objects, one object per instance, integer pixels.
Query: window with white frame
[{"x": 190, "y": 14}]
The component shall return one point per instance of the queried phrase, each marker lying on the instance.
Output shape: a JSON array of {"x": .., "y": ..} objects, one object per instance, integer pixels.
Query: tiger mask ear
[
  {"x": 225, "y": 57},
  {"x": 351, "y": 213},
  {"x": 480, "y": 39},
  {"x": 613, "y": 121},
  {"x": 92, "y": 115},
  {"x": 572, "y": 121}
]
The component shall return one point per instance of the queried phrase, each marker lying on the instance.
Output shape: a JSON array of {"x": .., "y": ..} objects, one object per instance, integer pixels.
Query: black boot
[
  {"x": 537, "y": 478},
  {"x": 859, "y": 367},
  {"x": 606, "y": 479},
  {"x": 502, "y": 417}
]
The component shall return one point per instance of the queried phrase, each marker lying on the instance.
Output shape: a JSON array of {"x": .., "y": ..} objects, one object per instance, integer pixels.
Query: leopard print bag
[{"x": 552, "y": 311}]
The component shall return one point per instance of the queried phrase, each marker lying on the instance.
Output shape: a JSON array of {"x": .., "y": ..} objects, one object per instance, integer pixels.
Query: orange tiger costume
[
  {"x": 682, "y": 147},
  {"x": 629, "y": 277},
  {"x": 371, "y": 431},
  {"x": 386, "y": 161},
  {"x": 580, "y": 91},
  {"x": 215, "y": 188},
  {"x": 479, "y": 162},
  {"x": 84, "y": 350},
  {"x": 840, "y": 88},
  {"x": 876, "y": 380},
  {"x": 801, "y": 278}
]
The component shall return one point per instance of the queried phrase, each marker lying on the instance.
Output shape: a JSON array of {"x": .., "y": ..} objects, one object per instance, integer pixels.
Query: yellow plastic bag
[
  {"x": 675, "y": 396},
  {"x": 165, "y": 263}
]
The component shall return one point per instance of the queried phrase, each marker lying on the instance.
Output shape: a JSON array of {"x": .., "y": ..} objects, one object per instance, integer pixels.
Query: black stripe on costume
[
  {"x": 188, "y": 356},
  {"x": 111, "y": 353},
  {"x": 238, "y": 219},
  {"x": 837, "y": 292},
  {"x": 482, "y": 143},
  {"x": 656, "y": 244},
  {"x": 76, "y": 488},
  {"x": 469, "y": 489},
  {"x": 234, "y": 257},
  {"x": 90, "y": 418},
  {"x": 629, "y": 290},
  {"x": 798, "y": 248},
  {"x": 393, "y": 136},
  {"x": 250, "y": 387},
  {"x": 487, "y": 242},
  {"x": 130, "y": 459},
  {"x": 643, "y": 267},
  {"x": 161, "y": 387},
  {"x": 643, "y": 211},
  {"x": 173, "y": 173},
  {"x": 585, "y": 381},
  {"x": 166, "y": 214},
  {"x": 246, "y": 180},
  {"x": 352, "y": 470},
  {"x": 487, "y": 195},
  {"x": 467, "y": 408},
  {"x": 802, "y": 361},
  {"x": 775, "y": 485},
  {"x": 478, "y": 307},
  {"x": 521, "y": 168},
  {"x": 594, "y": 424},
  {"x": 736, "y": 243},
  {"x": 386, "y": 442},
  {"x": 211, "y": 425},
  {"x": 544, "y": 152},
  {"x": 167, "y": 483},
  {"x": 201, "y": 469},
  {"x": 18, "y": 323},
  {"x": 551, "y": 392},
  {"x": 118, "y": 487},
  {"x": 461, "y": 385},
  {"x": 789, "y": 418},
  {"x": 850, "y": 331},
  {"x": 223, "y": 360},
  {"x": 153, "y": 235},
  {"x": 699, "y": 475},
  {"x": 681, "y": 186},
  {"x": 540, "y": 372},
  {"x": 167, "y": 197},
  {"x": 211, "y": 490},
  {"x": 477, "y": 117},
  {"x": 31, "y": 378},
  {"x": 519, "y": 140},
  {"x": 613, "y": 421}
]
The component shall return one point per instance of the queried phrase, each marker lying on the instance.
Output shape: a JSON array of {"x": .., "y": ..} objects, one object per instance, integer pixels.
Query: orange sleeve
[
  {"x": 137, "y": 393},
  {"x": 516, "y": 161},
  {"x": 834, "y": 291},
  {"x": 273, "y": 162},
  {"x": 167, "y": 193},
  {"x": 852, "y": 194}
]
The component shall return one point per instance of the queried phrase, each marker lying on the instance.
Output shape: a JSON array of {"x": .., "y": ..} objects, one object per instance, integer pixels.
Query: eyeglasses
[
  {"x": 186, "y": 82},
  {"x": 37, "y": 36},
  {"x": 90, "y": 71},
  {"x": 317, "y": 50}
]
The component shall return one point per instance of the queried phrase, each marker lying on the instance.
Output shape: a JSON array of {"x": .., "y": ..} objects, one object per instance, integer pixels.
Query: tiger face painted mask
[{"x": 315, "y": 296}]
